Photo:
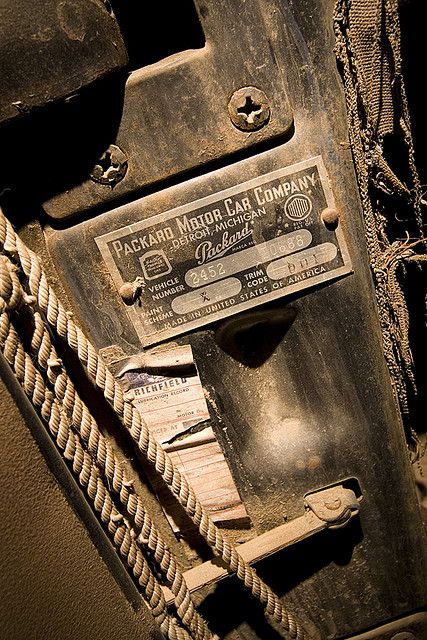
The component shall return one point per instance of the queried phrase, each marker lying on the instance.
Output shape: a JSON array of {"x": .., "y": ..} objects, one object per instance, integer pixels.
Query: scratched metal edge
[{"x": 148, "y": 339}]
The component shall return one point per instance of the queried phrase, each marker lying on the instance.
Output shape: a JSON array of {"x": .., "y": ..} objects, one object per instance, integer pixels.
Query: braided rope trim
[
  {"x": 121, "y": 532},
  {"x": 99, "y": 448},
  {"x": 63, "y": 324}
]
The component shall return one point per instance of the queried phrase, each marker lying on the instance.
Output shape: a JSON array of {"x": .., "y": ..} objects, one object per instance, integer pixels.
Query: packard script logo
[{"x": 207, "y": 250}]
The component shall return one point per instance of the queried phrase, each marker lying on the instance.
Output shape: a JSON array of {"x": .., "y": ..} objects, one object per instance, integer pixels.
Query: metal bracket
[
  {"x": 330, "y": 508},
  {"x": 192, "y": 89},
  {"x": 335, "y": 505}
]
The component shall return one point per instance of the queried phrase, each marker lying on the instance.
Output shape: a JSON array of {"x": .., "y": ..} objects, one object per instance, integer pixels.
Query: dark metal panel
[
  {"x": 175, "y": 114},
  {"x": 52, "y": 48},
  {"x": 297, "y": 404},
  {"x": 315, "y": 408},
  {"x": 306, "y": 406}
]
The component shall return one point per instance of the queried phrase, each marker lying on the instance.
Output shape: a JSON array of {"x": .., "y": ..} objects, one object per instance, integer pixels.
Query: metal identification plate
[{"x": 230, "y": 251}]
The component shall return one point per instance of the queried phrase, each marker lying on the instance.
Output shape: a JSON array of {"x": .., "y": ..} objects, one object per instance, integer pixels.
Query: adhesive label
[{"x": 176, "y": 413}]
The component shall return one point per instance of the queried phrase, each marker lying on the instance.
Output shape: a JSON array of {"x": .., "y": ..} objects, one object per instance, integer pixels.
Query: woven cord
[
  {"x": 98, "y": 446},
  {"x": 64, "y": 326},
  {"x": 69, "y": 443}
]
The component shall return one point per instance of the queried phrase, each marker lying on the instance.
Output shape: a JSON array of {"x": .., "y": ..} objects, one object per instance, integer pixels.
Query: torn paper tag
[{"x": 175, "y": 410}]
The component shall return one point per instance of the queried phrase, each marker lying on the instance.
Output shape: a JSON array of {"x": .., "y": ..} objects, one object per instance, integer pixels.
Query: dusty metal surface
[
  {"x": 52, "y": 49},
  {"x": 175, "y": 113},
  {"x": 333, "y": 507},
  {"x": 298, "y": 391}
]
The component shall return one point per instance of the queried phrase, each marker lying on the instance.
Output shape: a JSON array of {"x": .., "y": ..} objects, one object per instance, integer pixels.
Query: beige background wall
[{"x": 54, "y": 585}]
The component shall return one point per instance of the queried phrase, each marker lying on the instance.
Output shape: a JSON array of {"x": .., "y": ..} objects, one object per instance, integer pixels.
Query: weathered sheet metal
[
  {"x": 53, "y": 48},
  {"x": 298, "y": 390}
]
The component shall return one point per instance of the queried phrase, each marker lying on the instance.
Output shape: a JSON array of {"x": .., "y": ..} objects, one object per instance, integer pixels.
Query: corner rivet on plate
[
  {"x": 127, "y": 292},
  {"x": 330, "y": 218}
]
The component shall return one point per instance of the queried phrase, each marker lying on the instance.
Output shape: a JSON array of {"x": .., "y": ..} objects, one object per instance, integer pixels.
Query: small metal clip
[{"x": 335, "y": 505}]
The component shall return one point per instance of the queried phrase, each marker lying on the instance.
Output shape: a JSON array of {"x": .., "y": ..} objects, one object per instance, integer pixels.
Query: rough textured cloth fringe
[{"x": 368, "y": 51}]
